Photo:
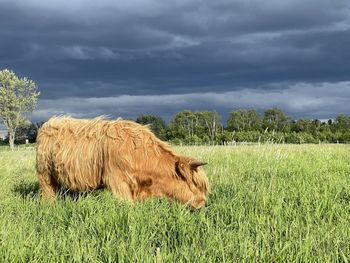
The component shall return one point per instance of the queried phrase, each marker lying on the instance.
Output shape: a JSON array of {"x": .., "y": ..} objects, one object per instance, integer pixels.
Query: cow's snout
[{"x": 198, "y": 203}]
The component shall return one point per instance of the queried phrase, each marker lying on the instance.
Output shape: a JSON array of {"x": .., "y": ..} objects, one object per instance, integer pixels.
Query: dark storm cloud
[
  {"x": 299, "y": 100},
  {"x": 154, "y": 50}
]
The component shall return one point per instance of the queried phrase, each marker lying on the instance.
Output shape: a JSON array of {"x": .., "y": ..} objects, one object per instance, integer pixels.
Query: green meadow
[{"x": 268, "y": 203}]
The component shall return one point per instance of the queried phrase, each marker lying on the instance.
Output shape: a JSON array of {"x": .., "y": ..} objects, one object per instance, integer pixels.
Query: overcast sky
[{"x": 124, "y": 58}]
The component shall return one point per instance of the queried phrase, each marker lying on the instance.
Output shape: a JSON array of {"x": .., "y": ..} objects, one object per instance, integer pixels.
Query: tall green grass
[{"x": 269, "y": 203}]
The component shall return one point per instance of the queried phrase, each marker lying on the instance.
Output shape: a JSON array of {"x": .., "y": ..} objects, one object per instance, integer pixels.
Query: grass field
[{"x": 269, "y": 203}]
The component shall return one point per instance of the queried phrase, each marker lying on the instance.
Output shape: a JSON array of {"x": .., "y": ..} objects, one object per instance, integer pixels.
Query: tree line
[
  {"x": 247, "y": 125},
  {"x": 243, "y": 125}
]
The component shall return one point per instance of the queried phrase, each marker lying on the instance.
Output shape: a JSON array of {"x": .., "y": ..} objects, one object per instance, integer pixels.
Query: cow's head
[
  {"x": 182, "y": 179},
  {"x": 193, "y": 185}
]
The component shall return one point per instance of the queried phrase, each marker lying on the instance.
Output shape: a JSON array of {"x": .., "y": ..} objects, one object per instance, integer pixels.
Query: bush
[{"x": 345, "y": 137}]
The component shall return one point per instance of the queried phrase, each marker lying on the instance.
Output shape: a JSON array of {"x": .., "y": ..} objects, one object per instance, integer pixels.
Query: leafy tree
[
  {"x": 17, "y": 96},
  {"x": 157, "y": 124},
  {"x": 209, "y": 122},
  {"x": 309, "y": 126},
  {"x": 28, "y": 131},
  {"x": 276, "y": 120},
  {"x": 342, "y": 123},
  {"x": 325, "y": 127},
  {"x": 244, "y": 120},
  {"x": 196, "y": 126},
  {"x": 183, "y": 124},
  {"x": 225, "y": 137},
  {"x": 315, "y": 126},
  {"x": 22, "y": 133},
  {"x": 345, "y": 137},
  {"x": 301, "y": 125}
]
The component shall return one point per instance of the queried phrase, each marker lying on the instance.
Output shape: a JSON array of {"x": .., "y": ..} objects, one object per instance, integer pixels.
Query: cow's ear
[{"x": 181, "y": 169}]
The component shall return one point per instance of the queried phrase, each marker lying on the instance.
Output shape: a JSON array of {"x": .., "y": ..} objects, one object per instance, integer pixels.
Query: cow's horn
[{"x": 196, "y": 163}]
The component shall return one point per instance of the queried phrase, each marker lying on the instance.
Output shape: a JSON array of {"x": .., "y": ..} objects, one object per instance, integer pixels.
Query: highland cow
[{"x": 122, "y": 156}]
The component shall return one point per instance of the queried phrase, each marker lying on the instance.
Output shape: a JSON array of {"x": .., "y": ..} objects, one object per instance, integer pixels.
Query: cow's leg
[
  {"x": 48, "y": 184},
  {"x": 119, "y": 187}
]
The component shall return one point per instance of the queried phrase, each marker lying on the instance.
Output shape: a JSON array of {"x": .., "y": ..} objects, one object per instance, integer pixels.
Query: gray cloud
[
  {"x": 202, "y": 54},
  {"x": 320, "y": 100}
]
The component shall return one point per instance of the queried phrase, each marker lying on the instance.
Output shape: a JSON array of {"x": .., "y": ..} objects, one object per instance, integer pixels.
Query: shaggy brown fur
[{"x": 123, "y": 156}]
